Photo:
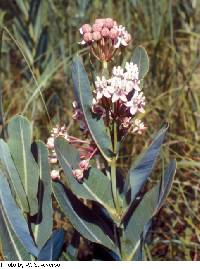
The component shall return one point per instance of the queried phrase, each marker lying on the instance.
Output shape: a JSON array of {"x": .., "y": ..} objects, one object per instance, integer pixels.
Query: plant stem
[
  {"x": 113, "y": 162},
  {"x": 113, "y": 170}
]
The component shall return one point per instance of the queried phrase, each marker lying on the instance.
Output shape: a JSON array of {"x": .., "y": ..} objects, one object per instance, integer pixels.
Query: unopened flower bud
[
  {"x": 78, "y": 115},
  {"x": 115, "y": 23},
  {"x": 126, "y": 122},
  {"x": 127, "y": 38},
  {"x": 86, "y": 28},
  {"x": 55, "y": 174},
  {"x": 105, "y": 32},
  {"x": 84, "y": 165},
  {"x": 75, "y": 104},
  {"x": 97, "y": 109},
  {"x": 113, "y": 33},
  {"x": 109, "y": 23},
  {"x": 78, "y": 174},
  {"x": 96, "y": 36},
  {"x": 53, "y": 160},
  {"x": 50, "y": 143},
  {"x": 97, "y": 27},
  {"x": 87, "y": 37}
]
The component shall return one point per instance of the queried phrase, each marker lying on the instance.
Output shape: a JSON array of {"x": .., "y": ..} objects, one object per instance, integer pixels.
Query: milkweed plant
[{"x": 110, "y": 208}]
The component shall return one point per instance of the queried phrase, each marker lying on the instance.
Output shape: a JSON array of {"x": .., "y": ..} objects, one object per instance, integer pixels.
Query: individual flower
[
  {"x": 132, "y": 71},
  {"x": 84, "y": 165},
  {"x": 123, "y": 38},
  {"x": 119, "y": 94},
  {"x": 125, "y": 122},
  {"x": 117, "y": 71},
  {"x": 78, "y": 174},
  {"x": 50, "y": 143},
  {"x": 137, "y": 103},
  {"x": 55, "y": 174},
  {"x": 138, "y": 127},
  {"x": 86, "y": 28},
  {"x": 101, "y": 88},
  {"x": 53, "y": 160}
]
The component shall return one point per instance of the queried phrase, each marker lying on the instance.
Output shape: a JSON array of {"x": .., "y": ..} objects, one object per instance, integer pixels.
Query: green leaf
[
  {"x": 15, "y": 218},
  {"x": 23, "y": 6},
  {"x": 140, "y": 58},
  {"x": 96, "y": 186},
  {"x": 142, "y": 168},
  {"x": 166, "y": 183},
  {"x": 84, "y": 98},
  {"x": 12, "y": 249},
  {"x": 20, "y": 134},
  {"x": 42, "y": 229},
  {"x": 53, "y": 247},
  {"x": 144, "y": 212},
  {"x": 83, "y": 219},
  {"x": 14, "y": 178}
]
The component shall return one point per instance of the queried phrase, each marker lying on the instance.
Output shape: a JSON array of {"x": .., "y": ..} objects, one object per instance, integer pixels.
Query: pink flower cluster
[
  {"x": 120, "y": 98},
  {"x": 85, "y": 147},
  {"x": 104, "y": 37}
]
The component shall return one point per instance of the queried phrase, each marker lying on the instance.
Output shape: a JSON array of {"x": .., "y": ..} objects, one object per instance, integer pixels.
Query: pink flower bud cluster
[
  {"x": 104, "y": 37},
  {"x": 120, "y": 98},
  {"x": 79, "y": 172},
  {"x": 87, "y": 149},
  {"x": 84, "y": 165}
]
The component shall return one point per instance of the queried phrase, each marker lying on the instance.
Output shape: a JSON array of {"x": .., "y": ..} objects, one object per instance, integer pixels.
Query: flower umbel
[
  {"x": 120, "y": 98},
  {"x": 104, "y": 38},
  {"x": 87, "y": 150}
]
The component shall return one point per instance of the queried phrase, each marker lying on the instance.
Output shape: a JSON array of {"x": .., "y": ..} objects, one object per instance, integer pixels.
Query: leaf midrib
[{"x": 84, "y": 112}]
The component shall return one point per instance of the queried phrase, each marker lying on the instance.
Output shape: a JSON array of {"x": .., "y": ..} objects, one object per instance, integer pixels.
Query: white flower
[
  {"x": 117, "y": 71},
  {"x": 129, "y": 86},
  {"x": 50, "y": 143},
  {"x": 137, "y": 103},
  {"x": 55, "y": 174},
  {"x": 138, "y": 127},
  {"x": 116, "y": 82},
  {"x": 82, "y": 42},
  {"x": 119, "y": 94},
  {"x": 100, "y": 82},
  {"x": 102, "y": 92},
  {"x": 132, "y": 71},
  {"x": 123, "y": 37}
]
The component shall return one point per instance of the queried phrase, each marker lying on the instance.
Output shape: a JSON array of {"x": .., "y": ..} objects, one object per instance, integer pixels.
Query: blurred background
[{"x": 38, "y": 39}]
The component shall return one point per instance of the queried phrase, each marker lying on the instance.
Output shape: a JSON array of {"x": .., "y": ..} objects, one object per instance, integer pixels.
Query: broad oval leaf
[
  {"x": 42, "y": 229},
  {"x": 96, "y": 186},
  {"x": 15, "y": 218},
  {"x": 11, "y": 247},
  {"x": 83, "y": 219},
  {"x": 20, "y": 134},
  {"x": 144, "y": 212},
  {"x": 140, "y": 58},
  {"x": 84, "y": 98},
  {"x": 52, "y": 249},
  {"x": 15, "y": 180},
  {"x": 142, "y": 168}
]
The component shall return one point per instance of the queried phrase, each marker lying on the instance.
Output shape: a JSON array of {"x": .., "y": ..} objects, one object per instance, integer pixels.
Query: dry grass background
[{"x": 169, "y": 30}]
